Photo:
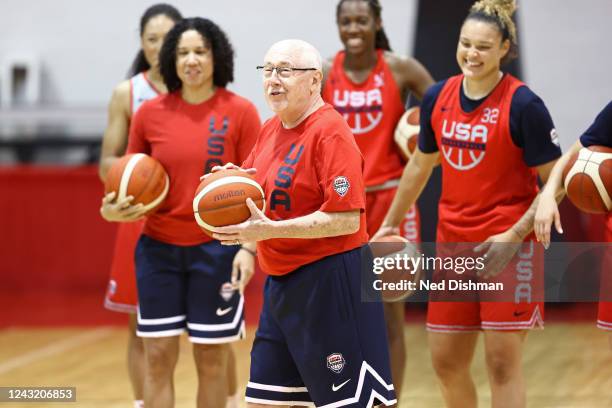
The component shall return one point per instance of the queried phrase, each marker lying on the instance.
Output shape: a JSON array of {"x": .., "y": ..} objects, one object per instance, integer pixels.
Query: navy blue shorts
[
  {"x": 187, "y": 287},
  {"x": 317, "y": 343}
]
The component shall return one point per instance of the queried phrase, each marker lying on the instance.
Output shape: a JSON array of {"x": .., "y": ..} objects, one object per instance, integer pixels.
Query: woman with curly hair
[{"x": 184, "y": 277}]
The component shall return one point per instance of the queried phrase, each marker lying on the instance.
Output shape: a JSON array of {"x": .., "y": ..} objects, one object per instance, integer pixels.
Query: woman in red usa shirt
[
  {"x": 495, "y": 137},
  {"x": 183, "y": 276},
  {"x": 369, "y": 85}
]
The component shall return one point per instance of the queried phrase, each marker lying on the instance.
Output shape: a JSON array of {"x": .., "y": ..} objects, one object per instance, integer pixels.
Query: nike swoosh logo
[
  {"x": 223, "y": 312},
  {"x": 336, "y": 388},
  {"x": 517, "y": 314}
]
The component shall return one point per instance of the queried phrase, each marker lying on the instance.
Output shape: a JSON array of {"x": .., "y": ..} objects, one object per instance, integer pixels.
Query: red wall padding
[
  {"x": 51, "y": 232},
  {"x": 55, "y": 247}
]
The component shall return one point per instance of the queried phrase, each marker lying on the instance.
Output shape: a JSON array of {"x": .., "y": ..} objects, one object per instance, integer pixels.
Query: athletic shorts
[
  {"x": 121, "y": 294},
  {"x": 377, "y": 205},
  {"x": 519, "y": 306},
  {"x": 604, "y": 316},
  {"x": 317, "y": 343},
  {"x": 188, "y": 288}
]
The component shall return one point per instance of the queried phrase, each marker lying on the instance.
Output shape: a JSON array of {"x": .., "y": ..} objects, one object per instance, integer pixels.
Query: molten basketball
[
  {"x": 391, "y": 253},
  {"x": 588, "y": 179},
  {"x": 140, "y": 176},
  {"x": 221, "y": 199},
  {"x": 407, "y": 132}
]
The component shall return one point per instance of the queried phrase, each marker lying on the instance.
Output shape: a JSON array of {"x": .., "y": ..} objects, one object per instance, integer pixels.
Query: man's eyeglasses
[{"x": 282, "y": 72}]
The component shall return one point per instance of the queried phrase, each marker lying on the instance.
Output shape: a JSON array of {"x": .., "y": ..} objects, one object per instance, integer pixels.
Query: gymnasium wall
[
  {"x": 567, "y": 59},
  {"x": 86, "y": 47}
]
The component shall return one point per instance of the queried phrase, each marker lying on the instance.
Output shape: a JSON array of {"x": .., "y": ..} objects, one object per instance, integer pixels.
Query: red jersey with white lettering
[
  {"x": 372, "y": 110},
  {"x": 315, "y": 166},
  {"x": 188, "y": 140},
  {"x": 486, "y": 185}
]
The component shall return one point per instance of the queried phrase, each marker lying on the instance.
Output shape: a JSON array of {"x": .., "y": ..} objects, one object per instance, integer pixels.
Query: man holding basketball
[
  {"x": 314, "y": 342},
  {"x": 598, "y": 134}
]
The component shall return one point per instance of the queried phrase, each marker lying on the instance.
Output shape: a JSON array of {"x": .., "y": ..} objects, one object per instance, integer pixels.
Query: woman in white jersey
[{"x": 145, "y": 83}]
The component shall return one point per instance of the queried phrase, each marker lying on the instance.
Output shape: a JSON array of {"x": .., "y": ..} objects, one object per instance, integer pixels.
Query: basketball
[
  {"x": 141, "y": 177},
  {"x": 588, "y": 179},
  {"x": 407, "y": 132},
  {"x": 221, "y": 199},
  {"x": 388, "y": 249}
]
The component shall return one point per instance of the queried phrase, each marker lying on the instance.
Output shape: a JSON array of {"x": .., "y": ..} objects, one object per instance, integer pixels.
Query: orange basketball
[
  {"x": 221, "y": 199},
  {"x": 588, "y": 179},
  {"x": 407, "y": 132},
  {"x": 140, "y": 176},
  {"x": 395, "y": 277}
]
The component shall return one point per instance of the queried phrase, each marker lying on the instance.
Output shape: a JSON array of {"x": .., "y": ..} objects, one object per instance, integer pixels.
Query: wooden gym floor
[{"x": 566, "y": 365}]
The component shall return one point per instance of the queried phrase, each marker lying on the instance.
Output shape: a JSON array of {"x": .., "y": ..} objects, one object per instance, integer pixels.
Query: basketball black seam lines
[{"x": 229, "y": 206}]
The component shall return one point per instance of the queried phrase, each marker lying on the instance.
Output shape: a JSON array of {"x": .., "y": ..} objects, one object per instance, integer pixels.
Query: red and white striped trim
[
  {"x": 604, "y": 325},
  {"x": 534, "y": 322},
  {"x": 119, "y": 307},
  {"x": 448, "y": 328}
]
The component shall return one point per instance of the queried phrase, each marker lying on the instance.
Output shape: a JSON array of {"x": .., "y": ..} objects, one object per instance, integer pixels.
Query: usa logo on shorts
[
  {"x": 335, "y": 362},
  {"x": 341, "y": 185},
  {"x": 227, "y": 291},
  {"x": 112, "y": 287}
]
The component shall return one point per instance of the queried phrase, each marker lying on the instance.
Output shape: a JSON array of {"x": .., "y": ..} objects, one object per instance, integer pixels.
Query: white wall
[
  {"x": 86, "y": 46},
  {"x": 567, "y": 59}
]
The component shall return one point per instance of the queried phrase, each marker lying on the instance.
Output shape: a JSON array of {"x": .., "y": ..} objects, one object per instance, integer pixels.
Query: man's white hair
[{"x": 301, "y": 52}]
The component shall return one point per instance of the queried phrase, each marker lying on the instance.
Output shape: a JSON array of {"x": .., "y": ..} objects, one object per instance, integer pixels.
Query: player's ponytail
[
  {"x": 140, "y": 63},
  {"x": 498, "y": 13},
  {"x": 381, "y": 41}
]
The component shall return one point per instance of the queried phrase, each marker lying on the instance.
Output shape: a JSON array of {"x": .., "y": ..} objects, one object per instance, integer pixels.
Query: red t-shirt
[
  {"x": 315, "y": 166},
  {"x": 372, "y": 110},
  {"x": 486, "y": 185},
  {"x": 188, "y": 140}
]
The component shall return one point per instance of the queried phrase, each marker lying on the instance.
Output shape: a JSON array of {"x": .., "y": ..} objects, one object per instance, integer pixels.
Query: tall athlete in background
[
  {"x": 145, "y": 83},
  {"x": 496, "y": 136},
  {"x": 369, "y": 85},
  {"x": 182, "y": 274},
  {"x": 599, "y": 133}
]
